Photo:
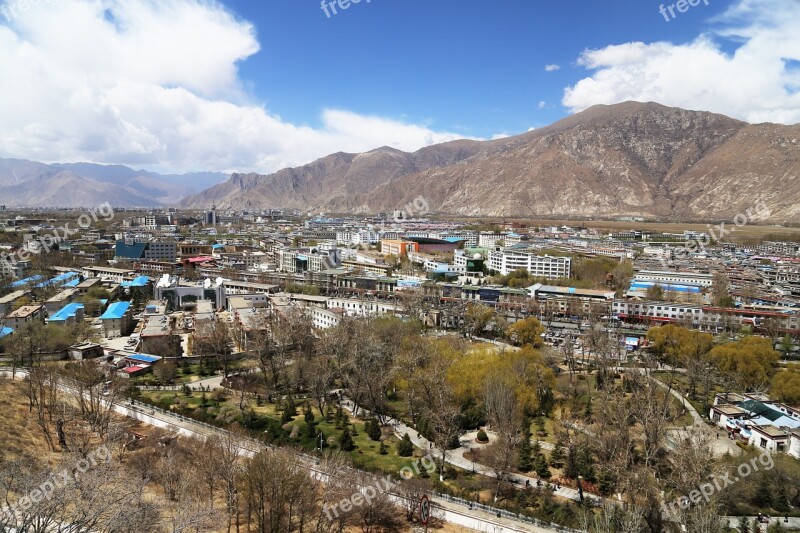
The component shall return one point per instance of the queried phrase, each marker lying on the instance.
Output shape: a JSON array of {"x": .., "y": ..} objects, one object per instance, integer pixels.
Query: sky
[{"x": 245, "y": 85}]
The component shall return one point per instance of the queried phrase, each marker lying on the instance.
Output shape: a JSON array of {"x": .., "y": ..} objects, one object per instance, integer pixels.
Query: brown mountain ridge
[{"x": 629, "y": 159}]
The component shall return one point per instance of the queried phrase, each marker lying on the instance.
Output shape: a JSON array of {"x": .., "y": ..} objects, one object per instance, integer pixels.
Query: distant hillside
[
  {"x": 641, "y": 159},
  {"x": 28, "y": 183}
]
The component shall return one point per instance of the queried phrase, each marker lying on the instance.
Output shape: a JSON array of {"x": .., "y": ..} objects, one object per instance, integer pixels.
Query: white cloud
[
  {"x": 542, "y": 104},
  {"x": 155, "y": 83},
  {"x": 552, "y": 68},
  {"x": 498, "y": 136},
  {"x": 755, "y": 83}
]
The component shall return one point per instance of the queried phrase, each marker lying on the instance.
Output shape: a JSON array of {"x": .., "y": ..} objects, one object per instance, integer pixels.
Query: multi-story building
[
  {"x": 490, "y": 240},
  {"x": 24, "y": 315},
  {"x": 148, "y": 251},
  {"x": 398, "y": 247},
  {"x": 506, "y": 261}
]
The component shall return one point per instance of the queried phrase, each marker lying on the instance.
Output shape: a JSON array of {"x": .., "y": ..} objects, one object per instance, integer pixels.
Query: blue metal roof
[
  {"x": 66, "y": 312},
  {"x": 5, "y": 331},
  {"x": 140, "y": 281},
  {"x": 116, "y": 311},
  {"x": 60, "y": 280},
  {"x": 143, "y": 358},
  {"x": 25, "y": 281}
]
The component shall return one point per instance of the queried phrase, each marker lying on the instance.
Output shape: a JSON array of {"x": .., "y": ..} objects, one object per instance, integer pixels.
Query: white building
[
  {"x": 794, "y": 444},
  {"x": 489, "y": 240},
  {"x": 507, "y": 261}
]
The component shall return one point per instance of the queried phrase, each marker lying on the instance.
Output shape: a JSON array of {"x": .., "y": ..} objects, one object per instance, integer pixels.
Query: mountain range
[
  {"x": 31, "y": 184},
  {"x": 629, "y": 159}
]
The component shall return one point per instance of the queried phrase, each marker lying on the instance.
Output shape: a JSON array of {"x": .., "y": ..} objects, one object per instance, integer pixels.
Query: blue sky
[
  {"x": 477, "y": 68},
  {"x": 188, "y": 85}
]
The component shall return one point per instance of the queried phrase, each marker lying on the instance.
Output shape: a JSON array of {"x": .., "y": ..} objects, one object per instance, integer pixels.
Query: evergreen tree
[
  {"x": 763, "y": 496},
  {"x": 781, "y": 500},
  {"x": 540, "y": 429},
  {"x": 373, "y": 429},
  {"x": 557, "y": 457},
  {"x": 382, "y": 448},
  {"x": 540, "y": 465},
  {"x": 308, "y": 414},
  {"x": 571, "y": 466},
  {"x": 525, "y": 459},
  {"x": 311, "y": 430},
  {"x": 405, "y": 448},
  {"x": 346, "y": 441},
  {"x": 744, "y": 525}
]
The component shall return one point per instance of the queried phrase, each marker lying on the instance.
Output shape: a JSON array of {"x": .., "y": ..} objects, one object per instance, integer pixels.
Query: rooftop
[
  {"x": 25, "y": 311},
  {"x": 66, "y": 312},
  {"x": 116, "y": 311}
]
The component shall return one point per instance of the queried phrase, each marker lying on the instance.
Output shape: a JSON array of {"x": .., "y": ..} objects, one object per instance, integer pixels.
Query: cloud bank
[
  {"x": 154, "y": 83},
  {"x": 758, "y": 82}
]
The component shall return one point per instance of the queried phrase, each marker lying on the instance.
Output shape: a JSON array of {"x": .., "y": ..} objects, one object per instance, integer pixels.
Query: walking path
[
  {"x": 456, "y": 512},
  {"x": 456, "y": 457}
]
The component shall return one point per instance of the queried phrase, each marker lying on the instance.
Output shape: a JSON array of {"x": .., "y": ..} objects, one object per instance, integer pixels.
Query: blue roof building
[
  {"x": 23, "y": 282},
  {"x": 140, "y": 281},
  {"x": 116, "y": 311},
  {"x": 68, "y": 313},
  {"x": 4, "y": 332},
  {"x": 117, "y": 319}
]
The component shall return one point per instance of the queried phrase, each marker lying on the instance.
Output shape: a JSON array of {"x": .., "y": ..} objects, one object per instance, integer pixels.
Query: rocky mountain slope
[{"x": 641, "y": 159}]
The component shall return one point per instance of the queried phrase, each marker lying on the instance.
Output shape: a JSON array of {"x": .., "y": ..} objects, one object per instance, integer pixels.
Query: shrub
[{"x": 482, "y": 436}]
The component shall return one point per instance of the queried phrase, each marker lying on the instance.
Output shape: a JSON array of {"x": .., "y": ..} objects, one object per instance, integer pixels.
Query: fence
[{"x": 501, "y": 513}]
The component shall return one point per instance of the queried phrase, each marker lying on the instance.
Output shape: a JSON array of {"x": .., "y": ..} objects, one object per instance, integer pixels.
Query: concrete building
[
  {"x": 117, "y": 319},
  {"x": 68, "y": 315},
  {"x": 8, "y": 301},
  {"x": 506, "y": 261},
  {"x": 24, "y": 315}
]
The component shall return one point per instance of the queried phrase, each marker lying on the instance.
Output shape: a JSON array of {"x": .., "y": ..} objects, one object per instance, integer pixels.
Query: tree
[
  {"x": 748, "y": 363},
  {"x": 720, "y": 291},
  {"x": 213, "y": 339},
  {"x": 504, "y": 413},
  {"x": 279, "y": 495},
  {"x": 786, "y": 385},
  {"x": 346, "y": 440},
  {"x": 540, "y": 465},
  {"x": 527, "y": 331},
  {"x": 655, "y": 292},
  {"x": 405, "y": 448},
  {"x": 373, "y": 429},
  {"x": 525, "y": 459}
]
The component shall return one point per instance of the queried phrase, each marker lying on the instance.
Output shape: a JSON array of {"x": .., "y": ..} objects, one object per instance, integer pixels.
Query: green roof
[{"x": 760, "y": 409}]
